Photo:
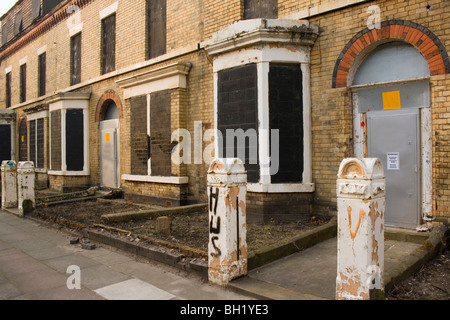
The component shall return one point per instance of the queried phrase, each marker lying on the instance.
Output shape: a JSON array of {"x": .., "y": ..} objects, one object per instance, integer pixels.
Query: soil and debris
[
  {"x": 431, "y": 282},
  {"x": 187, "y": 229}
]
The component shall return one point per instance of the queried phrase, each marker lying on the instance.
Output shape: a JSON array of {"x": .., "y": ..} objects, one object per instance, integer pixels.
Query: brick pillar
[
  {"x": 9, "y": 184},
  {"x": 227, "y": 188},
  {"x": 361, "y": 206},
  {"x": 25, "y": 186}
]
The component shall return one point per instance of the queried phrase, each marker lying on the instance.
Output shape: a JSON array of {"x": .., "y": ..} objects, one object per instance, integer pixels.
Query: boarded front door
[
  {"x": 110, "y": 168},
  {"x": 393, "y": 137}
]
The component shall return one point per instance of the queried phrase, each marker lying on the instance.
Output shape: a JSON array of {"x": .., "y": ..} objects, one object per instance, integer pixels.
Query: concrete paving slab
[
  {"x": 9, "y": 291},
  {"x": 62, "y": 293},
  {"x": 134, "y": 289},
  {"x": 99, "y": 276},
  {"x": 39, "y": 280},
  {"x": 61, "y": 263},
  {"x": 18, "y": 263}
]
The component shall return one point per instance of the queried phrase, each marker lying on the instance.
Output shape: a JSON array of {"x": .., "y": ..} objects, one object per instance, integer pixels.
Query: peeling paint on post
[
  {"x": 25, "y": 185},
  {"x": 9, "y": 184},
  {"x": 227, "y": 251},
  {"x": 361, "y": 206}
]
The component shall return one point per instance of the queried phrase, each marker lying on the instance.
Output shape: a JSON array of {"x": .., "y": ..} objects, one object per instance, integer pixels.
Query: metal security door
[
  {"x": 109, "y": 154},
  {"x": 393, "y": 137}
]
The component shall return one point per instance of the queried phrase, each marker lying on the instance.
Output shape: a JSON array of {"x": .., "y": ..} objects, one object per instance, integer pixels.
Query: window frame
[
  {"x": 62, "y": 103},
  {"x": 108, "y": 66},
  {"x": 42, "y": 74},
  {"x": 75, "y": 78},
  {"x": 263, "y": 57}
]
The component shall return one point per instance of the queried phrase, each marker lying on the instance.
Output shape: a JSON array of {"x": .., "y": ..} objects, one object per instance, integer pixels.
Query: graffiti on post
[{"x": 214, "y": 231}]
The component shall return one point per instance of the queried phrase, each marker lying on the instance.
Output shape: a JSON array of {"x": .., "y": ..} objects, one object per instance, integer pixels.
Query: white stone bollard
[
  {"x": 361, "y": 207},
  {"x": 25, "y": 185},
  {"x": 227, "y": 251},
  {"x": 9, "y": 184}
]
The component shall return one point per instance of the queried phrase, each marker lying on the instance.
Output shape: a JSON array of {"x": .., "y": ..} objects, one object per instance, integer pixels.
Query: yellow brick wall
[{"x": 191, "y": 22}]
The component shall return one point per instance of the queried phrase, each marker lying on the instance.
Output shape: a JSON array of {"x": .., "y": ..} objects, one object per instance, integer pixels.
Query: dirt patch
[
  {"x": 431, "y": 282},
  {"x": 187, "y": 229}
]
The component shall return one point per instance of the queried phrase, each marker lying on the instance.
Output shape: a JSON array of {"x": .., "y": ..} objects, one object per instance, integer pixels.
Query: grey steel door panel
[
  {"x": 393, "y": 137},
  {"x": 109, "y": 154}
]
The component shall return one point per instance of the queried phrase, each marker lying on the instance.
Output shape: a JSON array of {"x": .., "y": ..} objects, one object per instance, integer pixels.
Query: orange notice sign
[
  {"x": 108, "y": 137},
  {"x": 391, "y": 100}
]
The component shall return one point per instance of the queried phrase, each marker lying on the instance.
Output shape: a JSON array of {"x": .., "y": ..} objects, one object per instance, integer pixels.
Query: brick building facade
[{"x": 114, "y": 93}]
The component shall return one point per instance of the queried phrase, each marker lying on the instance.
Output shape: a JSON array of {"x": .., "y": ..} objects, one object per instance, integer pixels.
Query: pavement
[{"x": 35, "y": 262}]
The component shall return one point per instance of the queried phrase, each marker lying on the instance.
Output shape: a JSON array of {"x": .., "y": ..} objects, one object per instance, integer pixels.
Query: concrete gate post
[
  {"x": 25, "y": 186},
  {"x": 227, "y": 251},
  {"x": 9, "y": 184},
  {"x": 361, "y": 206}
]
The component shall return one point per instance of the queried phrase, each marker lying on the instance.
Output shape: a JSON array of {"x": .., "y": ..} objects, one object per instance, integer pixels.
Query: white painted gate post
[
  {"x": 227, "y": 251},
  {"x": 361, "y": 206},
  {"x": 25, "y": 185},
  {"x": 9, "y": 184}
]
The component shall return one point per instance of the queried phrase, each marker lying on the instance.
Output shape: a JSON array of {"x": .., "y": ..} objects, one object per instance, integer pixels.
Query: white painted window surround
[
  {"x": 64, "y": 102},
  {"x": 165, "y": 78},
  {"x": 254, "y": 45}
]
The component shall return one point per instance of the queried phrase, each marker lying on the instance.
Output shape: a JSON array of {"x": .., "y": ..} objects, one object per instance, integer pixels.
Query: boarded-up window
[
  {"x": 42, "y": 74},
  {"x": 35, "y": 9},
  {"x": 55, "y": 142},
  {"x": 139, "y": 138},
  {"x": 267, "y": 9},
  {"x": 8, "y": 90},
  {"x": 109, "y": 44},
  {"x": 160, "y": 134},
  {"x": 23, "y": 83},
  {"x": 74, "y": 140},
  {"x": 23, "y": 141},
  {"x": 75, "y": 59},
  {"x": 33, "y": 141},
  {"x": 4, "y": 32},
  {"x": 286, "y": 115},
  {"x": 48, "y": 5},
  {"x": 238, "y": 113},
  {"x": 18, "y": 23},
  {"x": 156, "y": 28},
  {"x": 37, "y": 142},
  {"x": 5, "y": 142}
]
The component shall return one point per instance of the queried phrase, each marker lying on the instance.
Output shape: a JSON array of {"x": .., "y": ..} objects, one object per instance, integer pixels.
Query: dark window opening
[
  {"x": 75, "y": 59},
  {"x": 8, "y": 89},
  {"x": 42, "y": 74},
  {"x": 5, "y": 143},
  {"x": 74, "y": 140},
  {"x": 156, "y": 28},
  {"x": 286, "y": 115},
  {"x": 267, "y": 9},
  {"x": 238, "y": 109},
  {"x": 23, "y": 83},
  {"x": 109, "y": 44}
]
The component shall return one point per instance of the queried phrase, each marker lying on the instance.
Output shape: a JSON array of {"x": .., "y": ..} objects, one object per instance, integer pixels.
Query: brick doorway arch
[
  {"x": 393, "y": 30},
  {"x": 104, "y": 102}
]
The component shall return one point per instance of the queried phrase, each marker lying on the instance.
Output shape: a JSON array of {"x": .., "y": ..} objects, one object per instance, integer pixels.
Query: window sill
[
  {"x": 69, "y": 173},
  {"x": 164, "y": 180},
  {"x": 281, "y": 188}
]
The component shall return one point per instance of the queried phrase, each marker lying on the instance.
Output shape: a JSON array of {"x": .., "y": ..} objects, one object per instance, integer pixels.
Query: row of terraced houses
[{"x": 106, "y": 92}]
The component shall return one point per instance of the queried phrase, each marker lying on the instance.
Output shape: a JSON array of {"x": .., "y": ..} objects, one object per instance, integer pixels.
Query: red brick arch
[
  {"x": 103, "y": 104},
  {"x": 393, "y": 30}
]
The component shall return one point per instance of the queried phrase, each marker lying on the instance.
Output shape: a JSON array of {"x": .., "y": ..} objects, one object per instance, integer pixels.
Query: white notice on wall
[{"x": 393, "y": 161}]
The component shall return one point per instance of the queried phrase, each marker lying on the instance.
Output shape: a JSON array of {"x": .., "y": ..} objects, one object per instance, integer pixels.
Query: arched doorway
[
  {"x": 391, "y": 90},
  {"x": 109, "y": 145}
]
